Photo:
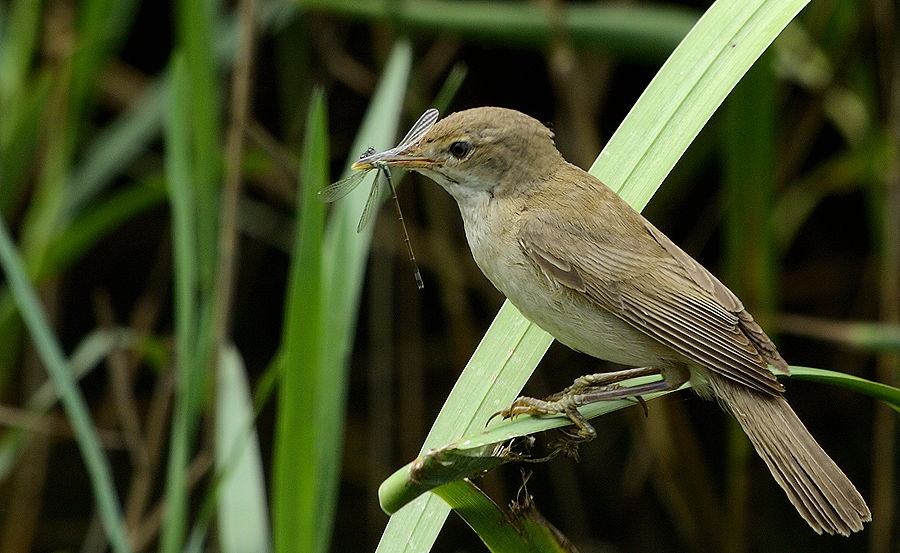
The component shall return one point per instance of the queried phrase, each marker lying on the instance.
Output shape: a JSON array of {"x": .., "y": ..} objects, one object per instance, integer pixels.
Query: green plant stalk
[
  {"x": 19, "y": 32},
  {"x": 90, "y": 352},
  {"x": 640, "y": 31},
  {"x": 117, "y": 145},
  {"x": 102, "y": 26},
  {"x": 193, "y": 169},
  {"x": 22, "y": 102},
  {"x": 236, "y": 491},
  {"x": 241, "y": 498},
  {"x": 51, "y": 355},
  {"x": 195, "y": 20},
  {"x": 18, "y": 139},
  {"x": 681, "y": 98},
  {"x": 296, "y": 486},
  {"x": 749, "y": 179},
  {"x": 17, "y": 144},
  {"x": 888, "y": 394},
  {"x": 183, "y": 207}
]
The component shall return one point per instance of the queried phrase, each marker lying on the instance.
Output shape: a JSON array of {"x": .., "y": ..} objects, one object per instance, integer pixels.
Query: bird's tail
[{"x": 817, "y": 487}]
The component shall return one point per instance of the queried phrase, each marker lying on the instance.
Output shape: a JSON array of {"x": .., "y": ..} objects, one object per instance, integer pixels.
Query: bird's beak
[{"x": 406, "y": 158}]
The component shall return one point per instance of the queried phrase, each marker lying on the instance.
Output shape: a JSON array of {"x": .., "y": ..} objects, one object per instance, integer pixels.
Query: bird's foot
[{"x": 586, "y": 390}]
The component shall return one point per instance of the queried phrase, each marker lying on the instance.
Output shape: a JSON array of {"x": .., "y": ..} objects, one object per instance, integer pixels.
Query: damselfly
[{"x": 341, "y": 188}]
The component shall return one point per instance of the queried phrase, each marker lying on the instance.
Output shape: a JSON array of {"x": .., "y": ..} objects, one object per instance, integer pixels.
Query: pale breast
[{"x": 567, "y": 315}]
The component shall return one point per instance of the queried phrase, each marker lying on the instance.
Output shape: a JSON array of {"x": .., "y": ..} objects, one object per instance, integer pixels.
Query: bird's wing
[{"x": 646, "y": 280}]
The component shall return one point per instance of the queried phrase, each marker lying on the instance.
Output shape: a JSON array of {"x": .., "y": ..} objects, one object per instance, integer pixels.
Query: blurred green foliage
[{"x": 118, "y": 120}]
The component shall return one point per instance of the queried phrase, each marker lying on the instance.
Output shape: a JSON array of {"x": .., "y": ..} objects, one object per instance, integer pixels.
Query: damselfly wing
[{"x": 341, "y": 188}]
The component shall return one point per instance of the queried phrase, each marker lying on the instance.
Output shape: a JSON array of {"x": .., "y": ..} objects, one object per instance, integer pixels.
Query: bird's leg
[
  {"x": 602, "y": 381},
  {"x": 591, "y": 389}
]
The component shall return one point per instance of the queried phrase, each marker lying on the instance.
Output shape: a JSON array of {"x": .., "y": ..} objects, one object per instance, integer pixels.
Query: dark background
[{"x": 648, "y": 483}]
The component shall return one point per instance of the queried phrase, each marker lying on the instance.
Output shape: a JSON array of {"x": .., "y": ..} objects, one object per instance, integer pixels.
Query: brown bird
[{"x": 579, "y": 262}]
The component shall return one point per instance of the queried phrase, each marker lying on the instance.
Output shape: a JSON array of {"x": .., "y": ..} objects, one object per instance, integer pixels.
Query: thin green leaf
[
  {"x": 18, "y": 139},
  {"x": 480, "y": 450},
  {"x": 183, "y": 205},
  {"x": 450, "y": 87},
  {"x": 195, "y": 29},
  {"x": 19, "y": 32},
  {"x": 885, "y": 393},
  {"x": 638, "y": 31},
  {"x": 297, "y": 487},
  {"x": 243, "y": 516},
  {"x": 51, "y": 355},
  {"x": 91, "y": 351},
  {"x": 117, "y": 145},
  {"x": 520, "y": 529},
  {"x": 490, "y": 381}
]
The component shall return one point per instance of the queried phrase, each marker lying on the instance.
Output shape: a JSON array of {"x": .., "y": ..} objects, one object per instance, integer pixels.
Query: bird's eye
[{"x": 460, "y": 148}]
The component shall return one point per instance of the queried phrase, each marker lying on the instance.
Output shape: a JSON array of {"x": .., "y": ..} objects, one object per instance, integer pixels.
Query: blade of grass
[
  {"x": 243, "y": 517},
  {"x": 681, "y": 98},
  {"x": 193, "y": 161},
  {"x": 102, "y": 26},
  {"x": 451, "y": 86},
  {"x": 236, "y": 490},
  {"x": 877, "y": 390},
  {"x": 19, "y": 32},
  {"x": 195, "y": 31},
  {"x": 639, "y": 31},
  {"x": 51, "y": 355},
  {"x": 90, "y": 352},
  {"x": 117, "y": 145},
  {"x": 18, "y": 140},
  {"x": 183, "y": 202},
  {"x": 296, "y": 482},
  {"x": 749, "y": 175}
]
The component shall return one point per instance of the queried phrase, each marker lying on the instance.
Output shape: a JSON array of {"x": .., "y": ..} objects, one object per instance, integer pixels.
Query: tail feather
[{"x": 816, "y": 486}]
